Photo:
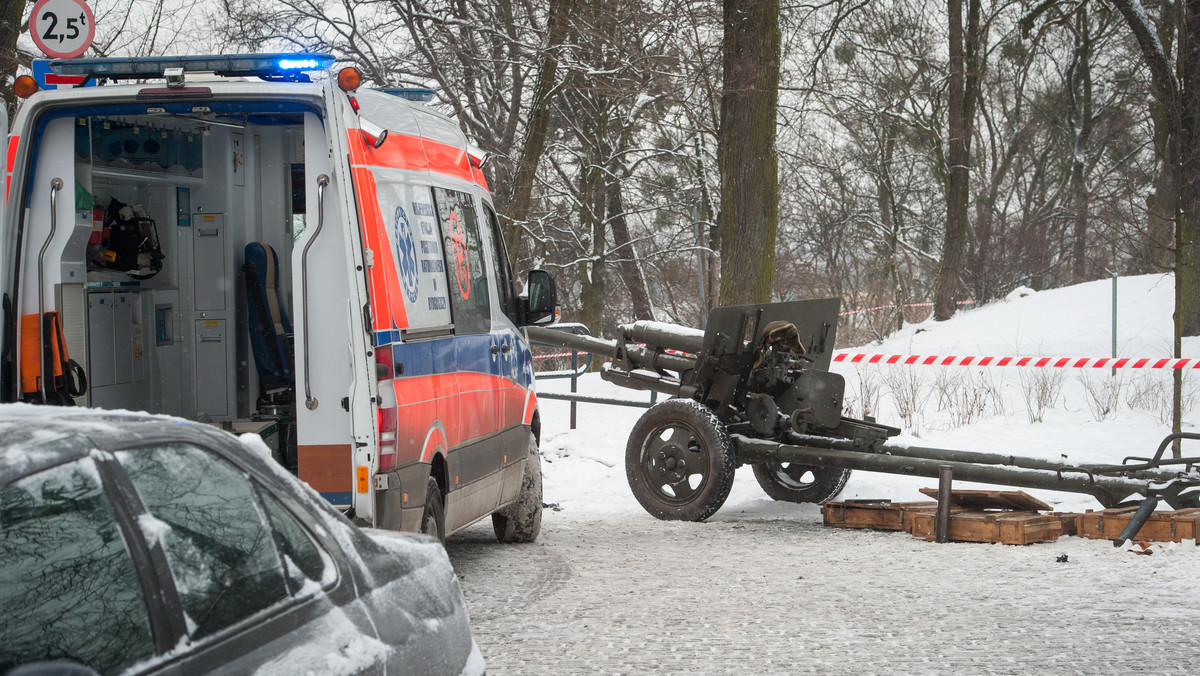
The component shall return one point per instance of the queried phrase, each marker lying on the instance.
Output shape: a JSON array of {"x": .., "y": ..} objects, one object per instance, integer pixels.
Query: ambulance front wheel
[{"x": 522, "y": 520}]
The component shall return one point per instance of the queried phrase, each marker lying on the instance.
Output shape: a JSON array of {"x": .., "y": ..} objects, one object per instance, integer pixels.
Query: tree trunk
[
  {"x": 591, "y": 269},
  {"x": 749, "y": 213},
  {"x": 963, "y": 90},
  {"x": 1079, "y": 83},
  {"x": 1187, "y": 277},
  {"x": 630, "y": 266},
  {"x": 10, "y": 30},
  {"x": 517, "y": 209}
]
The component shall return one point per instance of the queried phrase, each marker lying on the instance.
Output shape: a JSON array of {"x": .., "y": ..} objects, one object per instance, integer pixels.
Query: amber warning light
[
  {"x": 349, "y": 79},
  {"x": 25, "y": 86}
]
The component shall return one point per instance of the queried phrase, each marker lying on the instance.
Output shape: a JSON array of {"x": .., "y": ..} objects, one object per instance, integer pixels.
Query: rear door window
[
  {"x": 304, "y": 561},
  {"x": 68, "y": 586},
  {"x": 463, "y": 248},
  {"x": 219, "y": 545}
]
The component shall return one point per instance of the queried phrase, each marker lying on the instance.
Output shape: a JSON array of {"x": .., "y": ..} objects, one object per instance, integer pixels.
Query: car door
[
  {"x": 73, "y": 581},
  {"x": 254, "y": 586},
  {"x": 475, "y": 461},
  {"x": 512, "y": 360}
]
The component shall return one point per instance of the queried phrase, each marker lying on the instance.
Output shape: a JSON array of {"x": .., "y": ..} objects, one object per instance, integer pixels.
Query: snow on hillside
[{"x": 1087, "y": 415}]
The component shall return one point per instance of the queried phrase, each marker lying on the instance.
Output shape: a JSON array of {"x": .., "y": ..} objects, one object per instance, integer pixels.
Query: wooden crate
[
  {"x": 1069, "y": 521},
  {"x": 1010, "y": 528},
  {"x": 1164, "y": 526},
  {"x": 978, "y": 501},
  {"x": 874, "y": 514}
]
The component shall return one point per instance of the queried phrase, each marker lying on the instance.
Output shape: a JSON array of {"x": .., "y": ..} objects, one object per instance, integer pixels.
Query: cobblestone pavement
[{"x": 632, "y": 595}]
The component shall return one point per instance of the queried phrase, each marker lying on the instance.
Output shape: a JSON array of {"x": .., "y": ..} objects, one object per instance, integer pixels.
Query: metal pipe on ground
[{"x": 945, "y": 486}]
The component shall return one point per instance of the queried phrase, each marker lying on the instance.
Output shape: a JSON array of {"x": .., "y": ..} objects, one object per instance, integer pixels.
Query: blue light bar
[
  {"x": 418, "y": 94},
  {"x": 247, "y": 65}
]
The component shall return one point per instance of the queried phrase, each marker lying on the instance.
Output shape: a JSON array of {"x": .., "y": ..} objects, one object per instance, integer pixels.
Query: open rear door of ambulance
[{"x": 336, "y": 446}]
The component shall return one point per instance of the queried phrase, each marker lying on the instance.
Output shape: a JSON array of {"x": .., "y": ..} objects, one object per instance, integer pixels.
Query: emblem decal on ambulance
[
  {"x": 462, "y": 265},
  {"x": 406, "y": 256}
]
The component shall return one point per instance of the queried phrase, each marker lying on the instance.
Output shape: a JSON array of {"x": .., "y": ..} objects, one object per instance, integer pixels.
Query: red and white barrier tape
[{"x": 1035, "y": 362}]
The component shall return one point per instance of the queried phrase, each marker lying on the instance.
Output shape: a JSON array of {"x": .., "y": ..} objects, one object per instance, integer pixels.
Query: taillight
[{"x": 386, "y": 412}]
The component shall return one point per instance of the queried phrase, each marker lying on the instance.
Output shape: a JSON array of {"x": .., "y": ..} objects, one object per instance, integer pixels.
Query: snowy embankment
[{"x": 1086, "y": 415}]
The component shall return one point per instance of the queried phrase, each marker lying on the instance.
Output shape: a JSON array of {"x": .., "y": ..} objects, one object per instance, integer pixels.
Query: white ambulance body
[{"x": 308, "y": 259}]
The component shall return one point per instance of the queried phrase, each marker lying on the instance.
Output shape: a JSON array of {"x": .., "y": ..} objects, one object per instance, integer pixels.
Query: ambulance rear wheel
[
  {"x": 793, "y": 482},
  {"x": 680, "y": 461},
  {"x": 433, "y": 518},
  {"x": 522, "y": 520}
]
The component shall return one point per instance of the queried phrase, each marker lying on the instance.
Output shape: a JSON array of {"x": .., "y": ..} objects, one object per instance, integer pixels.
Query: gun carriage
[{"x": 755, "y": 389}]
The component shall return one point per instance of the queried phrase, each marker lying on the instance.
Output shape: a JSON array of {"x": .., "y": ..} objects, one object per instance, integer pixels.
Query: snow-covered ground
[
  {"x": 1090, "y": 415},
  {"x": 763, "y": 588}
]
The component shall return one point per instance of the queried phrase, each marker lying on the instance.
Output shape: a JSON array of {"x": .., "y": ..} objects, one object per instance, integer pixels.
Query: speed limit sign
[{"x": 62, "y": 29}]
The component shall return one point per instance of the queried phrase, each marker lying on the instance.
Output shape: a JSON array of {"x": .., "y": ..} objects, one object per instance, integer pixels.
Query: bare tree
[
  {"x": 10, "y": 30},
  {"x": 965, "y": 73}
]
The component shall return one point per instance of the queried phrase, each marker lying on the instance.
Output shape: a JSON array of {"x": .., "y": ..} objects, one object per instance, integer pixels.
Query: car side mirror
[{"x": 540, "y": 304}]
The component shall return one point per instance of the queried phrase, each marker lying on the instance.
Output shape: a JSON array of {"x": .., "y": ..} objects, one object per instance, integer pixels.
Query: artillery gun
[{"x": 755, "y": 389}]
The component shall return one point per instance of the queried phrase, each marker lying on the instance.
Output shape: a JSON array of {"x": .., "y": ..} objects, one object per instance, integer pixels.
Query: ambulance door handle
[
  {"x": 55, "y": 185},
  {"x": 322, "y": 181}
]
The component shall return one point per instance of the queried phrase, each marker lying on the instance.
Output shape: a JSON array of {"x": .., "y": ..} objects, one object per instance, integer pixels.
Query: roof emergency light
[{"x": 268, "y": 66}]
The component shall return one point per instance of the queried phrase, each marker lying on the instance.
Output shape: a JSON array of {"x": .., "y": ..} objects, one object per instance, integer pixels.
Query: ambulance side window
[
  {"x": 465, "y": 266},
  {"x": 506, "y": 293}
]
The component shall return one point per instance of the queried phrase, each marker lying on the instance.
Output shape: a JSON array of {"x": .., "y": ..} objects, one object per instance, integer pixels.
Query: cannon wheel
[
  {"x": 793, "y": 482},
  {"x": 680, "y": 461}
]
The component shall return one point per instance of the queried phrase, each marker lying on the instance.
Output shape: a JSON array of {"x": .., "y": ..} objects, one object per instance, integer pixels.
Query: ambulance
[{"x": 262, "y": 242}]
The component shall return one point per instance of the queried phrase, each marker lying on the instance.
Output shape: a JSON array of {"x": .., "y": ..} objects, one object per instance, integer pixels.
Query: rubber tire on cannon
[
  {"x": 680, "y": 461},
  {"x": 793, "y": 482}
]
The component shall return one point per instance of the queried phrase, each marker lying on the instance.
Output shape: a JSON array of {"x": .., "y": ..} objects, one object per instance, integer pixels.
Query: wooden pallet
[
  {"x": 874, "y": 514},
  {"x": 1010, "y": 528},
  {"x": 1165, "y": 526}
]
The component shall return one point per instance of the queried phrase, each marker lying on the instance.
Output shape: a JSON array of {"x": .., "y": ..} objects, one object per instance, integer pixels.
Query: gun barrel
[
  {"x": 667, "y": 336},
  {"x": 652, "y": 355},
  {"x": 572, "y": 341}
]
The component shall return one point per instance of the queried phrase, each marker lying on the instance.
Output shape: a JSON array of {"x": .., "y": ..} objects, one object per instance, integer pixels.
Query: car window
[
  {"x": 469, "y": 299},
  {"x": 219, "y": 547},
  {"x": 501, "y": 270},
  {"x": 301, "y": 557},
  {"x": 68, "y": 586}
]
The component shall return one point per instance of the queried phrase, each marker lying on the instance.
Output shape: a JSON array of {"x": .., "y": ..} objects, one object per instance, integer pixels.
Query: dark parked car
[{"x": 142, "y": 544}]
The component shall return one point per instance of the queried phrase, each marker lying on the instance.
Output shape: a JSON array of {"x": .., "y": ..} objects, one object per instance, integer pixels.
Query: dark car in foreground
[{"x": 139, "y": 544}]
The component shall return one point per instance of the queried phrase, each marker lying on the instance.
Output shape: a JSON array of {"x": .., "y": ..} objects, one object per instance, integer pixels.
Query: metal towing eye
[{"x": 322, "y": 182}]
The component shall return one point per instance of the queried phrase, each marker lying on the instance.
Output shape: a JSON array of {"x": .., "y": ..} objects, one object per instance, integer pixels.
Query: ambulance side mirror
[{"x": 540, "y": 303}]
